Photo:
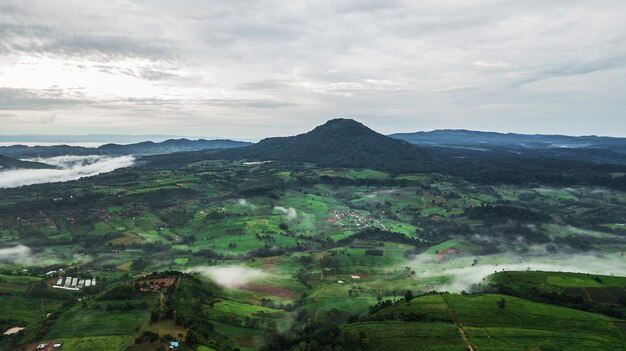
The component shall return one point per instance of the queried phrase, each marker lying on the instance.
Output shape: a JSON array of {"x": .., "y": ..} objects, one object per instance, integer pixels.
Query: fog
[
  {"x": 20, "y": 254},
  {"x": 245, "y": 203},
  {"x": 290, "y": 212},
  {"x": 68, "y": 168},
  {"x": 462, "y": 275},
  {"x": 231, "y": 276}
]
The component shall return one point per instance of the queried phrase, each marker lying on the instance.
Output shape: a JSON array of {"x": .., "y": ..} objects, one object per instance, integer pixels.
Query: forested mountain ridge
[
  {"x": 142, "y": 148},
  {"x": 348, "y": 143},
  {"x": 592, "y": 148}
]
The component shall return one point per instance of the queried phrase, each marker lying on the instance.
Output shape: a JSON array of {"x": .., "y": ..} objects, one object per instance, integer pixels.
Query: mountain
[
  {"x": 47, "y": 139},
  {"x": 350, "y": 144},
  {"x": 459, "y": 137},
  {"x": 337, "y": 143},
  {"x": 584, "y": 148},
  {"x": 11, "y": 163},
  {"x": 169, "y": 146},
  {"x": 143, "y": 148}
]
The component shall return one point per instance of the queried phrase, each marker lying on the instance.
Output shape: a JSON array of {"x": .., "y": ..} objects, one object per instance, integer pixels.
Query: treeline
[
  {"x": 375, "y": 234},
  {"x": 495, "y": 214},
  {"x": 556, "y": 296}
]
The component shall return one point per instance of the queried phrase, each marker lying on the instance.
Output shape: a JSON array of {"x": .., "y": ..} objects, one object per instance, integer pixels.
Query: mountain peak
[{"x": 339, "y": 127}]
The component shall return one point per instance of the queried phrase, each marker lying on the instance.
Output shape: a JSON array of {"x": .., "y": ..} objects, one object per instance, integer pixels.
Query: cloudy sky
[{"x": 250, "y": 69}]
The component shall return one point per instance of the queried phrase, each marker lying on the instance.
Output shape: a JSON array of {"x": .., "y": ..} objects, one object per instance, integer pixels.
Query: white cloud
[
  {"x": 467, "y": 276},
  {"x": 20, "y": 254},
  {"x": 231, "y": 276},
  {"x": 289, "y": 212},
  {"x": 245, "y": 203},
  {"x": 489, "y": 64},
  {"x": 69, "y": 168}
]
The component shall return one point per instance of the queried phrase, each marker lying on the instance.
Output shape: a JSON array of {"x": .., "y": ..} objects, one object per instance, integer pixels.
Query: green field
[
  {"x": 329, "y": 244},
  {"x": 96, "y": 323}
]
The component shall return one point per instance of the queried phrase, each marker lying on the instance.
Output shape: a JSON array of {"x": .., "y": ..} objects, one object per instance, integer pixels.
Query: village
[{"x": 349, "y": 217}]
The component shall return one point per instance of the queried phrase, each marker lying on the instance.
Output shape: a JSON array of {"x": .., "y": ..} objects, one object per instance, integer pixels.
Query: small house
[{"x": 173, "y": 345}]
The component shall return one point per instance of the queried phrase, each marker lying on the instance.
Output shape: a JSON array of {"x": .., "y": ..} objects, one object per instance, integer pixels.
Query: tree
[
  {"x": 408, "y": 296},
  {"x": 502, "y": 304}
]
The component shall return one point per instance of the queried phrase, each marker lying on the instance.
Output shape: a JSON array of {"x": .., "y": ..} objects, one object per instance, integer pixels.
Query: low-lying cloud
[
  {"x": 290, "y": 212},
  {"x": 231, "y": 276},
  {"x": 20, "y": 254},
  {"x": 245, "y": 203},
  {"x": 468, "y": 277},
  {"x": 68, "y": 168}
]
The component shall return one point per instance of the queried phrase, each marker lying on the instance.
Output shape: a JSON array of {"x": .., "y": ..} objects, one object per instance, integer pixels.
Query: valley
[
  {"x": 292, "y": 246},
  {"x": 227, "y": 252}
]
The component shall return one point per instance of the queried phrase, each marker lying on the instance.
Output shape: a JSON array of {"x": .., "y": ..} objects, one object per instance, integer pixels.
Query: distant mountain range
[
  {"x": 583, "y": 148},
  {"x": 143, "y": 148},
  {"x": 450, "y": 137},
  {"x": 87, "y": 138},
  {"x": 350, "y": 144}
]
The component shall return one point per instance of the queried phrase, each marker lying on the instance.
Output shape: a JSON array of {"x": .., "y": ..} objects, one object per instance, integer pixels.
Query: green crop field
[
  {"x": 105, "y": 343},
  {"x": 94, "y": 323},
  {"x": 318, "y": 252}
]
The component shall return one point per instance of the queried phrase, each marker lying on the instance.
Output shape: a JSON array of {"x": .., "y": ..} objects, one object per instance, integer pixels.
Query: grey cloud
[
  {"x": 266, "y": 85},
  {"x": 576, "y": 68},
  {"x": 53, "y": 40},
  {"x": 105, "y": 47},
  {"x": 138, "y": 72},
  {"x": 19, "y": 254},
  {"x": 26, "y": 99},
  {"x": 251, "y": 68}
]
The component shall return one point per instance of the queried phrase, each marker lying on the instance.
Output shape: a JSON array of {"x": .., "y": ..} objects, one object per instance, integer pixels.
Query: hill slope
[{"x": 11, "y": 163}]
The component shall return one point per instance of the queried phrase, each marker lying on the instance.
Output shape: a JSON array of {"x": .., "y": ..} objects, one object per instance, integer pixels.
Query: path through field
[{"x": 460, "y": 328}]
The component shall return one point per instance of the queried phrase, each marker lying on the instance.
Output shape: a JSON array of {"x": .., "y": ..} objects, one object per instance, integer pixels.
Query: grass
[
  {"x": 21, "y": 310},
  {"x": 167, "y": 327},
  {"x": 23, "y": 280},
  {"x": 247, "y": 339},
  {"x": 521, "y": 325},
  {"x": 560, "y": 279},
  {"x": 89, "y": 343},
  {"x": 88, "y": 322},
  {"x": 242, "y": 309},
  {"x": 418, "y": 206},
  {"x": 414, "y": 336},
  {"x": 534, "y": 324},
  {"x": 241, "y": 314},
  {"x": 181, "y": 261}
]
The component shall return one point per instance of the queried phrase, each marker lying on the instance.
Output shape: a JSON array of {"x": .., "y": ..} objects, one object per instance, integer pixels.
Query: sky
[{"x": 253, "y": 69}]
